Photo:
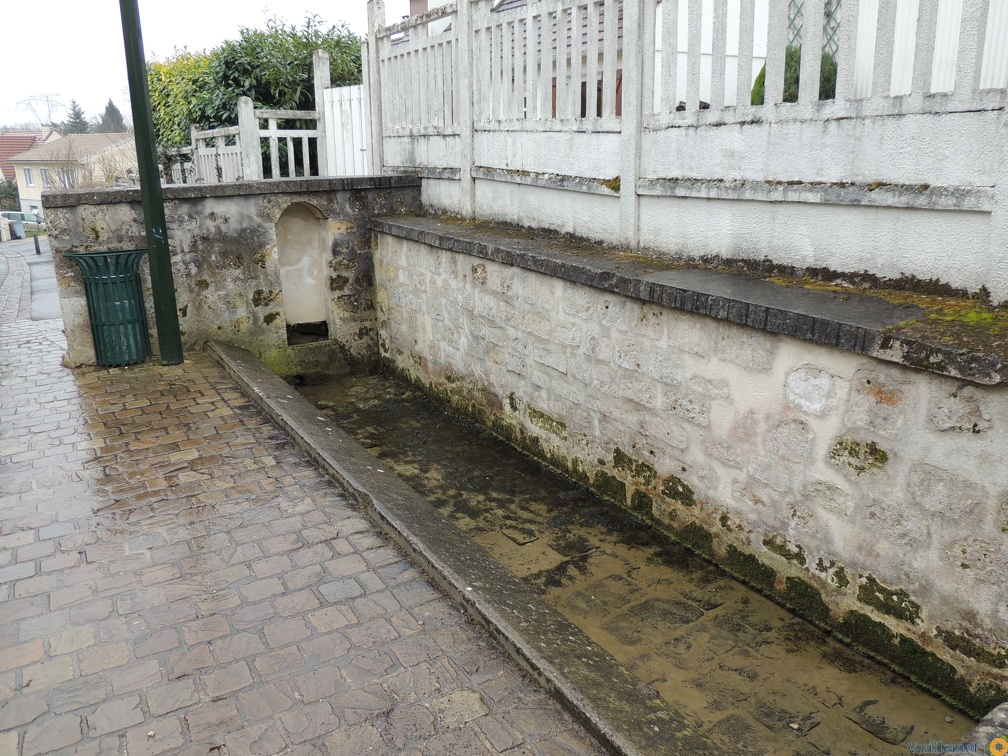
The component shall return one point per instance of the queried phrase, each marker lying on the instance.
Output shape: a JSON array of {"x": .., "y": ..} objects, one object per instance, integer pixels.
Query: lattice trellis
[
  {"x": 831, "y": 24},
  {"x": 795, "y": 14},
  {"x": 831, "y": 27}
]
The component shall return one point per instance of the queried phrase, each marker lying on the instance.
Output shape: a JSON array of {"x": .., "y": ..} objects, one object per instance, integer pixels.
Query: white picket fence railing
[
  {"x": 265, "y": 145},
  {"x": 649, "y": 102}
]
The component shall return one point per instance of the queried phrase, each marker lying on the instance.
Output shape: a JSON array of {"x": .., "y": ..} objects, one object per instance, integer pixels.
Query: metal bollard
[{"x": 38, "y": 250}]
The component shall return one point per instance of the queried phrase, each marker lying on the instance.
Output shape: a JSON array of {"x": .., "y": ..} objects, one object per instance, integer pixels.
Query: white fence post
[
  {"x": 196, "y": 155},
  {"x": 464, "y": 82},
  {"x": 996, "y": 276},
  {"x": 631, "y": 122},
  {"x": 248, "y": 139},
  {"x": 373, "y": 83},
  {"x": 320, "y": 65}
]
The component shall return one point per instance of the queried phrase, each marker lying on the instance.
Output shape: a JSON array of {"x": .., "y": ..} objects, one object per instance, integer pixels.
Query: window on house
[
  {"x": 28, "y": 178},
  {"x": 44, "y": 175},
  {"x": 67, "y": 178}
]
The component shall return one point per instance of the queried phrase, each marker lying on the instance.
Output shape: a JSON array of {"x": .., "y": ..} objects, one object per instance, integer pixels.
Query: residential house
[
  {"x": 16, "y": 142},
  {"x": 76, "y": 161}
]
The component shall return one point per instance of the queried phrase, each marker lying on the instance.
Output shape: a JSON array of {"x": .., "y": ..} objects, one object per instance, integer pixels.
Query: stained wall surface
[
  {"x": 223, "y": 241},
  {"x": 871, "y": 497}
]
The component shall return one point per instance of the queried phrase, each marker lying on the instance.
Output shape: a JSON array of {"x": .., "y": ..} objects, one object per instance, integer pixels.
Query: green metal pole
[{"x": 162, "y": 283}]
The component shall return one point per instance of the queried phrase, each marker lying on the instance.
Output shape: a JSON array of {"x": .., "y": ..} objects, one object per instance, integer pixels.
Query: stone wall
[
  {"x": 223, "y": 245},
  {"x": 870, "y": 497}
]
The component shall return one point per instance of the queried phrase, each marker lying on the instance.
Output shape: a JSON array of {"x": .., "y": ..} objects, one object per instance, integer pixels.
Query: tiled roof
[
  {"x": 80, "y": 145},
  {"x": 14, "y": 144}
]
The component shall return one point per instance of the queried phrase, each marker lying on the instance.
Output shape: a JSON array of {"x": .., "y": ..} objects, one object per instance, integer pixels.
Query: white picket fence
[
  {"x": 647, "y": 103},
  {"x": 339, "y": 140}
]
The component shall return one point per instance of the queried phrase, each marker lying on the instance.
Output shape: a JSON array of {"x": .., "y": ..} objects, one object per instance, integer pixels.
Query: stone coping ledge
[
  {"x": 851, "y": 321},
  {"x": 579, "y": 673},
  {"x": 110, "y": 196}
]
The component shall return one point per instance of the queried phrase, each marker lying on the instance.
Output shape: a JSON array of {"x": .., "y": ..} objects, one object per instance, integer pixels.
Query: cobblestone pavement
[{"x": 175, "y": 576}]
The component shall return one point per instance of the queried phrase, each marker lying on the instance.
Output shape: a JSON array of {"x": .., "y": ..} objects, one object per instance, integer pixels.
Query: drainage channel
[{"x": 746, "y": 673}]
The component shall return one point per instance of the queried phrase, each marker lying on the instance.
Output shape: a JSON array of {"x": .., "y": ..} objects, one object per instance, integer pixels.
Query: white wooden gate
[{"x": 348, "y": 131}]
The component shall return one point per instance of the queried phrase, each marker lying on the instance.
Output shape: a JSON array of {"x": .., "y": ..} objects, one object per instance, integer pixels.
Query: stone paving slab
[{"x": 177, "y": 577}]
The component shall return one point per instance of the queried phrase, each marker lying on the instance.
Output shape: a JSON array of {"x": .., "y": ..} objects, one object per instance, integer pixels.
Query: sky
[{"x": 74, "y": 50}]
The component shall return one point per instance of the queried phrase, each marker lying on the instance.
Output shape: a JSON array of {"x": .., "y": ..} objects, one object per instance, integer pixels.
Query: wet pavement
[
  {"x": 177, "y": 577},
  {"x": 750, "y": 675},
  {"x": 32, "y": 285}
]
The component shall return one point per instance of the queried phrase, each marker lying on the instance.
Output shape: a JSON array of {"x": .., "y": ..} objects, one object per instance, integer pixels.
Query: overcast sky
[{"x": 73, "y": 49}]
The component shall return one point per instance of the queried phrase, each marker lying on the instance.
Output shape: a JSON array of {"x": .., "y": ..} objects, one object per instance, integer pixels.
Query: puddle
[{"x": 749, "y": 674}]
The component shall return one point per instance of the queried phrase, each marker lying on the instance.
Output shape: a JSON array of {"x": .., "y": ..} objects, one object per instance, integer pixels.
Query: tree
[
  {"x": 111, "y": 120},
  {"x": 273, "y": 66},
  {"x": 792, "y": 77},
  {"x": 173, "y": 86},
  {"x": 75, "y": 123},
  {"x": 9, "y": 195}
]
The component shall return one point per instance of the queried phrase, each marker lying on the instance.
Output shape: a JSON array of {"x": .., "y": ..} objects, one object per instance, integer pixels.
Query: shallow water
[{"x": 751, "y": 675}]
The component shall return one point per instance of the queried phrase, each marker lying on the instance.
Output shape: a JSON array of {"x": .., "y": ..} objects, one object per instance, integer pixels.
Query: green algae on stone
[
  {"x": 968, "y": 647},
  {"x": 778, "y": 544},
  {"x": 840, "y": 576},
  {"x": 923, "y": 667},
  {"x": 804, "y": 599},
  {"x": 678, "y": 491},
  {"x": 894, "y": 602},
  {"x": 859, "y": 457},
  {"x": 839, "y": 573},
  {"x": 636, "y": 469},
  {"x": 548, "y": 423},
  {"x": 270, "y": 317},
  {"x": 610, "y": 487},
  {"x": 263, "y": 297},
  {"x": 698, "y": 538},
  {"x": 641, "y": 503},
  {"x": 750, "y": 569}
]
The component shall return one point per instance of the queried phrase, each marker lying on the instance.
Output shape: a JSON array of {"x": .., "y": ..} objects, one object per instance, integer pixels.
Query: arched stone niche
[{"x": 301, "y": 248}]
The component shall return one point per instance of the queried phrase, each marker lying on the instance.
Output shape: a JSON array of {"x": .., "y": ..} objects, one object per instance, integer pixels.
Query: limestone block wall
[
  {"x": 223, "y": 244},
  {"x": 870, "y": 497}
]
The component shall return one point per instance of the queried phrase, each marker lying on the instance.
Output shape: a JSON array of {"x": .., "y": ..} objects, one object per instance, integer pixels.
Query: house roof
[
  {"x": 12, "y": 145},
  {"x": 81, "y": 146}
]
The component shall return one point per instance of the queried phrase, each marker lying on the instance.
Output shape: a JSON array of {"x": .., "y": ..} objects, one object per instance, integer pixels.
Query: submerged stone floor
[
  {"x": 746, "y": 672},
  {"x": 176, "y": 577}
]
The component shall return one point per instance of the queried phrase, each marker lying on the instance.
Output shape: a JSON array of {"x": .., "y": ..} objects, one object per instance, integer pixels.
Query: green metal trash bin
[{"x": 115, "y": 304}]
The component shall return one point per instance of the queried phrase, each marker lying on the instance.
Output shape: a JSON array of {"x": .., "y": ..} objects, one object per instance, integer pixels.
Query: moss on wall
[
  {"x": 968, "y": 647},
  {"x": 748, "y": 568},
  {"x": 859, "y": 457},
  {"x": 548, "y": 423},
  {"x": 698, "y": 538},
  {"x": 779, "y": 545},
  {"x": 679, "y": 491},
  {"x": 922, "y": 666},
  {"x": 610, "y": 487},
  {"x": 894, "y": 602},
  {"x": 636, "y": 469},
  {"x": 806, "y": 600},
  {"x": 641, "y": 503}
]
